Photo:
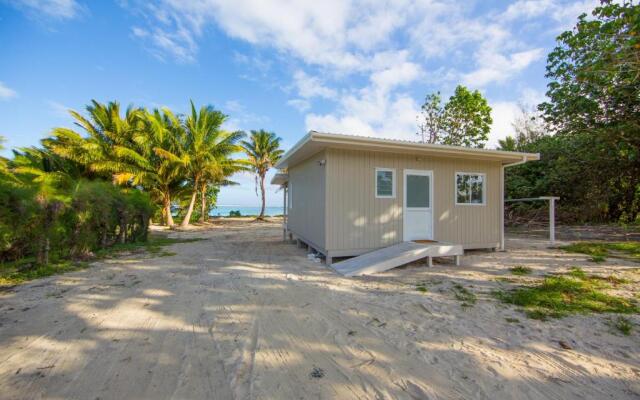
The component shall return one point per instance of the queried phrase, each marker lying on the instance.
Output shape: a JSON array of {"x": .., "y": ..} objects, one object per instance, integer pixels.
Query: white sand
[{"x": 244, "y": 315}]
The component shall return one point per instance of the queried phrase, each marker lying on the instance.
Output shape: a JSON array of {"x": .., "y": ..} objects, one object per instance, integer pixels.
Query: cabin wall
[
  {"x": 307, "y": 196},
  {"x": 357, "y": 221}
]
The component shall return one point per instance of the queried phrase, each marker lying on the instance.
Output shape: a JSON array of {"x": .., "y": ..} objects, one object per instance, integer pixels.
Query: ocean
[{"x": 224, "y": 211}]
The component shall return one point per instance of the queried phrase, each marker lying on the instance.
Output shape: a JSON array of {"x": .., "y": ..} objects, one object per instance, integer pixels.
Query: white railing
[{"x": 552, "y": 212}]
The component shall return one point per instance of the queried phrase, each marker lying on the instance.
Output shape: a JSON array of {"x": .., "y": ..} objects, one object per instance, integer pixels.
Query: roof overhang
[
  {"x": 315, "y": 142},
  {"x": 280, "y": 179}
]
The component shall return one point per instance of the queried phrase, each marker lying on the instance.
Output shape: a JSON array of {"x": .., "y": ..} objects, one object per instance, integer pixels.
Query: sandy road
[{"x": 243, "y": 315}]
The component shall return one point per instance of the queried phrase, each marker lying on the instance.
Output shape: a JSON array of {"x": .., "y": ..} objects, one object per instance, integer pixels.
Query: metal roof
[{"x": 314, "y": 142}]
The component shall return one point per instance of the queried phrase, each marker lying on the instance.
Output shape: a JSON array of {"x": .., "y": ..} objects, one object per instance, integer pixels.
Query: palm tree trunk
[
  {"x": 103, "y": 240},
  {"x": 187, "y": 217},
  {"x": 262, "y": 192},
  {"x": 47, "y": 247},
  {"x": 122, "y": 234},
  {"x": 167, "y": 211},
  {"x": 203, "y": 204}
]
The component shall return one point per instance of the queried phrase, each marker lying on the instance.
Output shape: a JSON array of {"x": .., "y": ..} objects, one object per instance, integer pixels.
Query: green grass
[
  {"x": 463, "y": 295},
  {"x": 623, "y": 325},
  {"x": 505, "y": 279},
  {"x": 577, "y": 272},
  {"x": 599, "y": 251},
  {"x": 153, "y": 246},
  {"x": 15, "y": 273},
  {"x": 520, "y": 270},
  {"x": 559, "y": 296},
  {"x": 422, "y": 289},
  {"x": 512, "y": 320},
  {"x": 24, "y": 270}
]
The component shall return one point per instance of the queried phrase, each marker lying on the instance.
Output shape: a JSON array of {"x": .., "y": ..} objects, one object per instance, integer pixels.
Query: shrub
[{"x": 70, "y": 220}]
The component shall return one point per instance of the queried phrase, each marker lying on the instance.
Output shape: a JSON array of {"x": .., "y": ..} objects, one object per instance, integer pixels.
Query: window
[
  {"x": 418, "y": 191},
  {"x": 385, "y": 183},
  {"x": 470, "y": 188}
]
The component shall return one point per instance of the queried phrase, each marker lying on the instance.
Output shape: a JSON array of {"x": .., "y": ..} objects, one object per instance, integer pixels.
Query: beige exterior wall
[
  {"x": 358, "y": 221},
  {"x": 307, "y": 190}
]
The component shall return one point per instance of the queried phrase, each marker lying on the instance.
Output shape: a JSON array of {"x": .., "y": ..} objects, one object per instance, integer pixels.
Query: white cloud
[
  {"x": 179, "y": 44},
  {"x": 309, "y": 86},
  {"x": 364, "y": 53},
  {"x": 338, "y": 124},
  {"x": 527, "y": 9},
  {"x": 256, "y": 64},
  {"x": 6, "y": 92},
  {"x": 530, "y": 97},
  {"x": 503, "y": 114},
  {"x": 370, "y": 112},
  {"x": 58, "y": 109},
  {"x": 565, "y": 14},
  {"x": 339, "y": 34},
  {"x": 301, "y": 105},
  {"x": 397, "y": 75},
  {"x": 57, "y": 9},
  {"x": 495, "y": 67},
  {"x": 240, "y": 119}
]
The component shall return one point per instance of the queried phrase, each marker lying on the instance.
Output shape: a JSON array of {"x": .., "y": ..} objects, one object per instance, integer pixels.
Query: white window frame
[
  {"x": 289, "y": 195},
  {"x": 484, "y": 188},
  {"x": 393, "y": 182}
]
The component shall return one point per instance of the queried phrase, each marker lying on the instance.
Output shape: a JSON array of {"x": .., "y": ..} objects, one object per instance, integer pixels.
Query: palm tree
[
  {"x": 206, "y": 147},
  {"x": 130, "y": 150},
  {"x": 508, "y": 144},
  {"x": 162, "y": 141},
  {"x": 159, "y": 151},
  {"x": 263, "y": 152},
  {"x": 6, "y": 174},
  {"x": 215, "y": 175},
  {"x": 109, "y": 144}
]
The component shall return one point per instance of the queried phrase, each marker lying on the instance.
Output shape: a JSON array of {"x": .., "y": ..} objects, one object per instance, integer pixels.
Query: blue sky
[{"x": 358, "y": 67}]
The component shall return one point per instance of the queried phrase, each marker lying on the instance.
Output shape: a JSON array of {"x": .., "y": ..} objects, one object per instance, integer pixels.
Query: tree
[
  {"x": 33, "y": 168},
  {"x": 509, "y": 143},
  {"x": 263, "y": 152},
  {"x": 163, "y": 153},
  {"x": 5, "y": 173},
  {"x": 465, "y": 120},
  {"x": 109, "y": 144},
  {"x": 594, "y": 72},
  {"x": 594, "y": 94},
  {"x": 431, "y": 119},
  {"x": 206, "y": 147},
  {"x": 529, "y": 126},
  {"x": 159, "y": 174},
  {"x": 124, "y": 149},
  {"x": 213, "y": 178}
]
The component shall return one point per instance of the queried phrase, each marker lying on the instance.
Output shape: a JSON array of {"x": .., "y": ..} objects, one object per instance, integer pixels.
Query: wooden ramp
[{"x": 394, "y": 256}]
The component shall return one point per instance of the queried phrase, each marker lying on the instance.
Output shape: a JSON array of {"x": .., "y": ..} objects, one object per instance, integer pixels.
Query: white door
[{"x": 418, "y": 205}]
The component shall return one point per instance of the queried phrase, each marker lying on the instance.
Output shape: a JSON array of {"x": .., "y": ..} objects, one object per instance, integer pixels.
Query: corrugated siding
[
  {"x": 307, "y": 217},
  {"x": 356, "y": 219}
]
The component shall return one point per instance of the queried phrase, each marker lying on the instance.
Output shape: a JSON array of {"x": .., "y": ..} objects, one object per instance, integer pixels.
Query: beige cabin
[{"x": 349, "y": 195}]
